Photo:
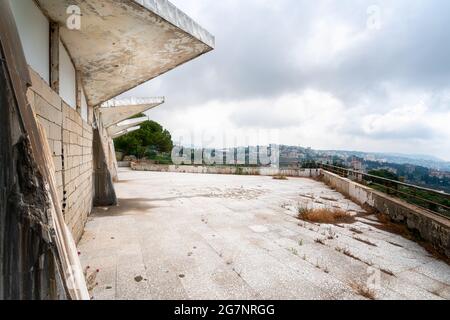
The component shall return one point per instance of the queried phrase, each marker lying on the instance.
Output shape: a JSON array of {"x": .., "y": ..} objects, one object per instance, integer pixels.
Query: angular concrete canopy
[
  {"x": 114, "y": 115},
  {"x": 125, "y": 125},
  {"x": 122, "y": 44},
  {"x": 124, "y": 132}
]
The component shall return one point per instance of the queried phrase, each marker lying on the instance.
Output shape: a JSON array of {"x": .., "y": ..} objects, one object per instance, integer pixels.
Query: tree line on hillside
[{"x": 151, "y": 141}]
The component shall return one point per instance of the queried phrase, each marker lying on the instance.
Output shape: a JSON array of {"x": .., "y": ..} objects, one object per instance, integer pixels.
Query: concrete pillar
[{"x": 105, "y": 194}]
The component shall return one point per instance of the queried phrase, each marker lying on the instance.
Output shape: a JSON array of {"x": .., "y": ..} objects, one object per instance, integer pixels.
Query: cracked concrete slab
[{"x": 194, "y": 236}]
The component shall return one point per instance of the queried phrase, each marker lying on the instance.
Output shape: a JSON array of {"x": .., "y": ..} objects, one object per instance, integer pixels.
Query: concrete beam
[
  {"x": 113, "y": 115},
  {"x": 144, "y": 39},
  {"x": 125, "y": 125},
  {"x": 127, "y": 131}
]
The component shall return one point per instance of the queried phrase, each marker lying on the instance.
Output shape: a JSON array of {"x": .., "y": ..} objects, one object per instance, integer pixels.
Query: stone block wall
[
  {"x": 70, "y": 139},
  {"x": 78, "y": 169}
]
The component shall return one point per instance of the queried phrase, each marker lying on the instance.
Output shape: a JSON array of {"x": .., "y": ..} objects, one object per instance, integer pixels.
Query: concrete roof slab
[
  {"x": 122, "y": 44},
  {"x": 114, "y": 115},
  {"x": 127, "y": 131},
  {"x": 125, "y": 125}
]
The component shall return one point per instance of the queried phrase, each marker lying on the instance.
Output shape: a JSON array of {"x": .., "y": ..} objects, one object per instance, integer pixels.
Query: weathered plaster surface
[{"x": 122, "y": 44}]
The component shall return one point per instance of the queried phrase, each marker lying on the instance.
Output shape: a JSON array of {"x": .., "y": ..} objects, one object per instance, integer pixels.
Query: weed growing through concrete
[
  {"x": 363, "y": 291},
  {"x": 331, "y": 234},
  {"x": 320, "y": 241}
]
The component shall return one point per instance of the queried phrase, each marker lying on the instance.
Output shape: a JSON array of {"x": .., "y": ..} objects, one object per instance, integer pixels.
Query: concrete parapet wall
[
  {"x": 430, "y": 227},
  {"x": 258, "y": 171},
  {"x": 124, "y": 164},
  {"x": 70, "y": 139}
]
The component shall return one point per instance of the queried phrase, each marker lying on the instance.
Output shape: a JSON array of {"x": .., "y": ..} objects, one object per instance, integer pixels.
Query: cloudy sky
[{"x": 329, "y": 74}]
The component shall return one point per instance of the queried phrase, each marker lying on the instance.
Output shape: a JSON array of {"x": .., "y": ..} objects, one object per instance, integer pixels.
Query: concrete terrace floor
[{"x": 193, "y": 236}]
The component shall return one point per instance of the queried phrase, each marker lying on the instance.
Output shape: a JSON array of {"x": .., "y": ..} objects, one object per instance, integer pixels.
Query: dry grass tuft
[
  {"x": 326, "y": 216},
  {"x": 320, "y": 241},
  {"x": 363, "y": 291}
]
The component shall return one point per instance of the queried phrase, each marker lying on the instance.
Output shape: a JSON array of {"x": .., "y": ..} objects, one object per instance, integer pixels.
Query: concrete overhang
[
  {"x": 111, "y": 113},
  {"x": 125, "y": 125},
  {"x": 124, "y": 132},
  {"x": 122, "y": 44}
]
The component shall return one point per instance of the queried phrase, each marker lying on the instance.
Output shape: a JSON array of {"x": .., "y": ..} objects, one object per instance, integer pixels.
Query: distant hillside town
[{"x": 419, "y": 170}]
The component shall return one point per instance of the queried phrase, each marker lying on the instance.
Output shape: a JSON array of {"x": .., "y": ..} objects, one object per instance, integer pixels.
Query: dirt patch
[
  {"x": 349, "y": 254},
  {"x": 395, "y": 244},
  {"x": 355, "y": 230},
  {"x": 329, "y": 199},
  {"x": 365, "y": 241},
  {"x": 237, "y": 194},
  {"x": 125, "y": 207},
  {"x": 124, "y": 181}
]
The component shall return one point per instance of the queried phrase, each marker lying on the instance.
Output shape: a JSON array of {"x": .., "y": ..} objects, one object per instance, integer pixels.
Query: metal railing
[{"x": 432, "y": 200}]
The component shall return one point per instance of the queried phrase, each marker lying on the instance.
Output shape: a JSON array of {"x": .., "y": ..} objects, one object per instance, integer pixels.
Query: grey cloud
[
  {"x": 253, "y": 57},
  {"x": 261, "y": 49}
]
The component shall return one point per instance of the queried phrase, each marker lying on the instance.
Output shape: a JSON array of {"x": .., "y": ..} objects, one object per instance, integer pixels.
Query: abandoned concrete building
[
  {"x": 63, "y": 63},
  {"x": 173, "y": 231}
]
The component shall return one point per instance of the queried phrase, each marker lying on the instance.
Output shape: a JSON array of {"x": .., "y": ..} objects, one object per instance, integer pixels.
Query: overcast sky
[{"x": 329, "y": 74}]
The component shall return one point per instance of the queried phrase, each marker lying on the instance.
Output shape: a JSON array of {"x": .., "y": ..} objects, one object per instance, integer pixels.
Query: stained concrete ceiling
[{"x": 122, "y": 44}]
